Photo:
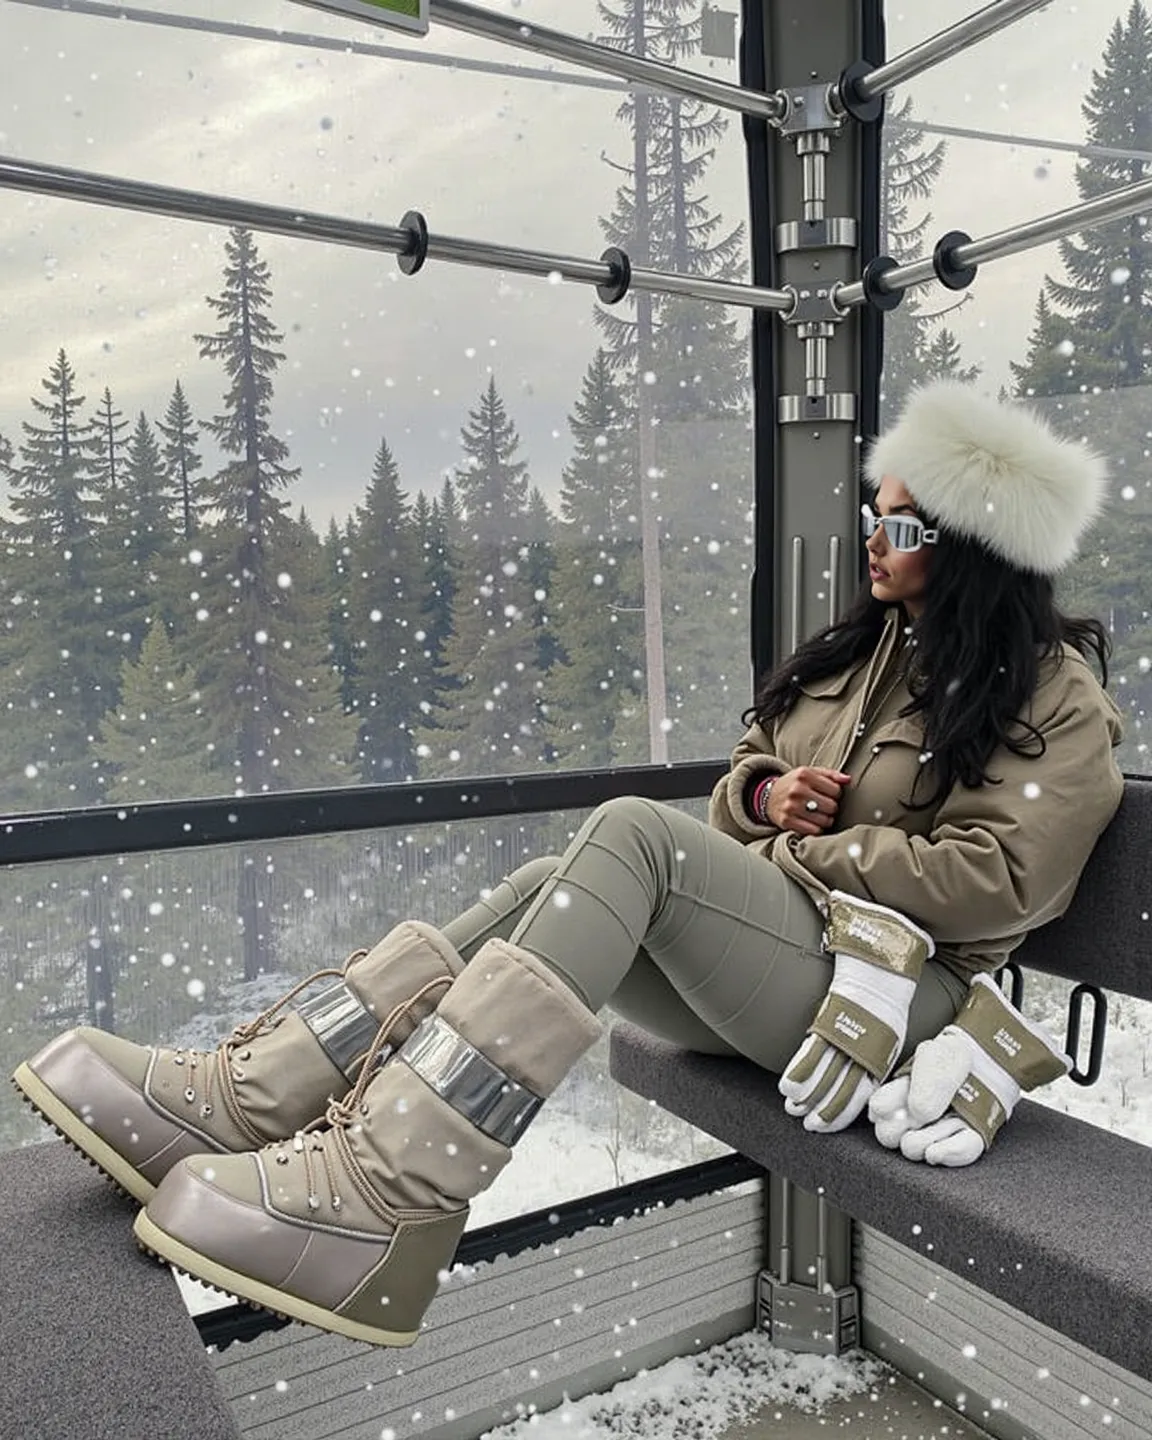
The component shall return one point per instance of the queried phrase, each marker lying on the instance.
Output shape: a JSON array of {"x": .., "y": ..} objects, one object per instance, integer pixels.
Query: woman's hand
[{"x": 805, "y": 800}]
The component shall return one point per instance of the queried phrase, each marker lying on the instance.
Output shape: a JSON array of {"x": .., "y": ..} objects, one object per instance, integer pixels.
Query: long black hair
[{"x": 975, "y": 661}]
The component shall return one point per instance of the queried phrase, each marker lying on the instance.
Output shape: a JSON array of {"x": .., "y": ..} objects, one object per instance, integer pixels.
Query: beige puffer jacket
[{"x": 983, "y": 867}]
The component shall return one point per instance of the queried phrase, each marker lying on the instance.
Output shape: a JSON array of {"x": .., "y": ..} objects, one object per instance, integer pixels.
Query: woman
[{"x": 920, "y": 786}]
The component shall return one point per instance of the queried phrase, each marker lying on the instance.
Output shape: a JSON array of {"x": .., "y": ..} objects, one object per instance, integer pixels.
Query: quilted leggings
[{"x": 681, "y": 929}]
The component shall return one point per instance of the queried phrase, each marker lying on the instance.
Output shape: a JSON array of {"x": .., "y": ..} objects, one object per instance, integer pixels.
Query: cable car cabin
[{"x": 421, "y": 421}]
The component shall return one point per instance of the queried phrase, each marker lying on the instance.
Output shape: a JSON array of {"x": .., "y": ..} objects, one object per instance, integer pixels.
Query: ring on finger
[{"x": 811, "y": 805}]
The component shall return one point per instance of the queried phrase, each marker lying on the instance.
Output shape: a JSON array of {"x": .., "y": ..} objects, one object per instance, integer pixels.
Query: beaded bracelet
[{"x": 759, "y": 802}]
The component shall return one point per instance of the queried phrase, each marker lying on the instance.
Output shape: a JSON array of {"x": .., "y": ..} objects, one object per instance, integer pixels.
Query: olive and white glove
[
  {"x": 859, "y": 1030},
  {"x": 948, "y": 1102}
]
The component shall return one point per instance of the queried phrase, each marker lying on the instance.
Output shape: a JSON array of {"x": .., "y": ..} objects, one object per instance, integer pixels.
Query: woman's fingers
[
  {"x": 808, "y": 798},
  {"x": 822, "y": 782}
]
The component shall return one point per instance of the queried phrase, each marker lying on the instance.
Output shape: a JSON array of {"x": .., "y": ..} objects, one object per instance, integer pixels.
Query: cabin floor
[{"x": 899, "y": 1410}]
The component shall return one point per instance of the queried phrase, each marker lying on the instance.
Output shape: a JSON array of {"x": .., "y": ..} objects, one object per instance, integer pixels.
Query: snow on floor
[{"x": 698, "y": 1397}]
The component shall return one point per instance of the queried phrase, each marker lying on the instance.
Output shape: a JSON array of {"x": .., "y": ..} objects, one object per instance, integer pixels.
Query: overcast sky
[{"x": 487, "y": 157}]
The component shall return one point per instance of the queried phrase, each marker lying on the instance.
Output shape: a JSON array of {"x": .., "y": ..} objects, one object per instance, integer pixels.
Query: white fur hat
[{"x": 994, "y": 472}]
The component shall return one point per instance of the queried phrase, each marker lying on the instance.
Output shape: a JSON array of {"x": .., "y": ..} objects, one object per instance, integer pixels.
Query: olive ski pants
[{"x": 681, "y": 929}]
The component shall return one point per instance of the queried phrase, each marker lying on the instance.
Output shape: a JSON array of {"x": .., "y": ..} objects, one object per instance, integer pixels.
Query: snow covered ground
[{"x": 700, "y": 1396}]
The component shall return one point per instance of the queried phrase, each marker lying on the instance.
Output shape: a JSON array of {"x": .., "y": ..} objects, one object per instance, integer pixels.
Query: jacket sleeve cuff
[{"x": 753, "y": 767}]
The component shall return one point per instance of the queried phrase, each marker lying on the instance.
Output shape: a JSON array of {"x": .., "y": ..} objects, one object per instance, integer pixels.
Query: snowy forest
[{"x": 176, "y": 626}]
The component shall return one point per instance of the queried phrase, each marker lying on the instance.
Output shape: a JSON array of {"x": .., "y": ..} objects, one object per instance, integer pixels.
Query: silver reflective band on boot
[
  {"x": 468, "y": 1081},
  {"x": 343, "y": 1025}
]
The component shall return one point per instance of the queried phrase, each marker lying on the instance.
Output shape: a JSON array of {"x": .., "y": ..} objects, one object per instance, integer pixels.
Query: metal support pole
[
  {"x": 817, "y": 202},
  {"x": 796, "y": 599},
  {"x": 337, "y": 230},
  {"x": 813, "y": 149},
  {"x": 814, "y": 187},
  {"x": 1115, "y": 205},
  {"x": 938, "y": 48},
  {"x": 806, "y": 1302},
  {"x": 833, "y": 579}
]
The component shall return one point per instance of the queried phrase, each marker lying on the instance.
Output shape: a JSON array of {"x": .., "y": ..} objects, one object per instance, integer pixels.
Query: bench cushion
[
  {"x": 1055, "y": 1220},
  {"x": 96, "y": 1340}
]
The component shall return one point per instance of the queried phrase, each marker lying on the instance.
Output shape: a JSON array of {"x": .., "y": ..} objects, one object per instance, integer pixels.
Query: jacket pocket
[
  {"x": 890, "y": 768},
  {"x": 816, "y": 729},
  {"x": 830, "y": 686}
]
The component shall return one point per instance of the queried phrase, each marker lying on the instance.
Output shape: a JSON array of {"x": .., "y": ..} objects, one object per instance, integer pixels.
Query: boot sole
[
  {"x": 159, "y": 1243},
  {"x": 81, "y": 1137}
]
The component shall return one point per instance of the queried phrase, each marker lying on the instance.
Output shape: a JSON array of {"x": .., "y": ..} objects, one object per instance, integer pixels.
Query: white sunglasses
[{"x": 903, "y": 532}]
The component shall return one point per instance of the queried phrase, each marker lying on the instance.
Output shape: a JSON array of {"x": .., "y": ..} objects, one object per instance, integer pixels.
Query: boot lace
[
  {"x": 220, "y": 1063},
  {"x": 331, "y": 1128}
]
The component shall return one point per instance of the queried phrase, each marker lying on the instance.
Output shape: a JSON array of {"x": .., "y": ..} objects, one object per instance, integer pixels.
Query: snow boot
[
  {"x": 349, "y": 1225},
  {"x": 136, "y": 1110}
]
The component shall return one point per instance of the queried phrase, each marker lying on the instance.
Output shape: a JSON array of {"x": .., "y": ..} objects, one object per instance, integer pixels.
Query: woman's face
[{"x": 897, "y": 576}]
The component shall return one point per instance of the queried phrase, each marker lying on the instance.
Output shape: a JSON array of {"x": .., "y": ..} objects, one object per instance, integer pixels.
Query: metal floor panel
[{"x": 898, "y": 1411}]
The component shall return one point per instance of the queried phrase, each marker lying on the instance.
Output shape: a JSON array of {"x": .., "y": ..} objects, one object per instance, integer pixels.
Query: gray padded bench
[
  {"x": 96, "y": 1341},
  {"x": 1056, "y": 1219}
]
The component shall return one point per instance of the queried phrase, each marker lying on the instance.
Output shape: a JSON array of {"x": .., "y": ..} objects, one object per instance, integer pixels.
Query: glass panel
[
  {"x": 1053, "y": 111},
  {"x": 280, "y": 517},
  {"x": 417, "y": 543},
  {"x": 152, "y": 948},
  {"x": 1119, "y": 1099}
]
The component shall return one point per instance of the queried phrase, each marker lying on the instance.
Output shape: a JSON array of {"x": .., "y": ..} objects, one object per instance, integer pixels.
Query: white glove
[
  {"x": 858, "y": 1032},
  {"x": 948, "y": 1103}
]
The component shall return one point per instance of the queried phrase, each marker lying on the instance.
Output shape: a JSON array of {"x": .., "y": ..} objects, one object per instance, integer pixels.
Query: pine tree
[
  {"x": 182, "y": 457},
  {"x": 106, "y": 443},
  {"x": 914, "y": 351},
  {"x": 943, "y": 359},
  {"x": 1110, "y": 267},
  {"x": 491, "y": 721},
  {"x": 58, "y": 658},
  {"x": 491, "y": 484},
  {"x": 1093, "y": 334},
  {"x": 439, "y": 537},
  {"x": 244, "y": 491},
  {"x": 385, "y": 618},
  {"x": 685, "y": 362},
  {"x": 1052, "y": 366},
  {"x": 1089, "y": 363},
  {"x": 137, "y": 531},
  {"x": 156, "y": 744},
  {"x": 539, "y": 569},
  {"x": 338, "y": 542},
  {"x": 260, "y": 646},
  {"x": 594, "y": 694},
  {"x": 694, "y": 363}
]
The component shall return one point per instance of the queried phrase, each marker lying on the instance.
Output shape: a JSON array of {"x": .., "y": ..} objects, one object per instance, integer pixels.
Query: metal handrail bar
[
  {"x": 1115, "y": 205},
  {"x": 172, "y": 20},
  {"x": 240, "y": 30},
  {"x": 942, "y": 46},
  {"x": 84, "y": 185},
  {"x": 475, "y": 20}
]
